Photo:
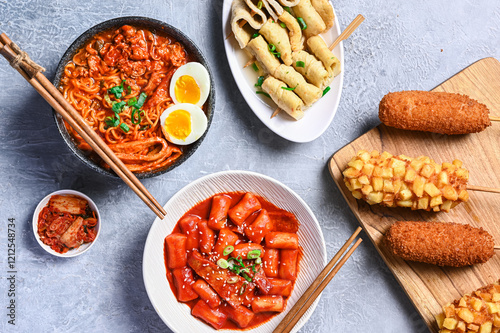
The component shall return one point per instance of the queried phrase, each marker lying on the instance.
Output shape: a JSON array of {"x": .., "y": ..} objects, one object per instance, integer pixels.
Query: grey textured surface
[{"x": 401, "y": 45}]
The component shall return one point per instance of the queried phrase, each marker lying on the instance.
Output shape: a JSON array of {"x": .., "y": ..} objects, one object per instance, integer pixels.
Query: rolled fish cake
[
  {"x": 259, "y": 49},
  {"x": 311, "y": 68},
  {"x": 285, "y": 99},
  {"x": 276, "y": 35},
  {"x": 319, "y": 48},
  {"x": 402, "y": 181},
  {"x": 273, "y": 8},
  {"x": 240, "y": 15},
  {"x": 307, "y": 92},
  {"x": 294, "y": 31},
  {"x": 315, "y": 24},
  {"x": 325, "y": 10}
]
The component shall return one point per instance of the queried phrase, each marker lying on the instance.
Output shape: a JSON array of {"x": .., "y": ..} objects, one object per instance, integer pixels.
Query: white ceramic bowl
[
  {"x": 178, "y": 315},
  {"x": 74, "y": 252}
]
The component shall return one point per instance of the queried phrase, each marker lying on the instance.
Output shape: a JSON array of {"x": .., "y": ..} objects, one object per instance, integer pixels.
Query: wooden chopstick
[
  {"x": 343, "y": 36},
  {"x": 50, "y": 93},
  {"x": 318, "y": 285}
]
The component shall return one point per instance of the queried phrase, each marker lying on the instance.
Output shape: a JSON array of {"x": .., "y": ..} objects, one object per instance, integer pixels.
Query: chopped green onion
[
  {"x": 300, "y": 64},
  {"x": 140, "y": 101},
  {"x": 254, "y": 254},
  {"x": 255, "y": 68},
  {"x": 258, "y": 261},
  {"x": 246, "y": 277},
  {"x": 136, "y": 113},
  {"x": 112, "y": 121},
  {"x": 240, "y": 262},
  {"x": 272, "y": 47},
  {"x": 228, "y": 250},
  {"x": 243, "y": 288},
  {"x": 253, "y": 268},
  {"x": 259, "y": 4},
  {"x": 222, "y": 263},
  {"x": 289, "y": 89},
  {"x": 260, "y": 80},
  {"x": 255, "y": 35},
  {"x": 132, "y": 101},
  {"x": 283, "y": 25},
  {"x": 124, "y": 127},
  {"x": 145, "y": 127},
  {"x": 263, "y": 93},
  {"x": 287, "y": 9},
  {"x": 327, "y": 89},
  {"x": 107, "y": 99},
  {"x": 302, "y": 23},
  {"x": 117, "y": 106},
  {"x": 233, "y": 280},
  {"x": 129, "y": 88},
  {"x": 117, "y": 90}
]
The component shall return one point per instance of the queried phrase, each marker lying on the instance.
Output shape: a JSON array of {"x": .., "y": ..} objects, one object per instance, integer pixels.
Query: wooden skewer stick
[
  {"x": 318, "y": 285},
  {"x": 494, "y": 118},
  {"x": 496, "y": 247},
  {"x": 483, "y": 189},
  {"x": 343, "y": 36},
  {"x": 45, "y": 88}
]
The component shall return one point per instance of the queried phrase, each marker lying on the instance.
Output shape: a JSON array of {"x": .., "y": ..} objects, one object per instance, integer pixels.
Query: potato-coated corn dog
[
  {"x": 402, "y": 181},
  {"x": 440, "y": 243},
  {"x": 437, "y": 112}
]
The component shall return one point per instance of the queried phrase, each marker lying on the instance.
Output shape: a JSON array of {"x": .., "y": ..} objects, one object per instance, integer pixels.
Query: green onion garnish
[
  {"x": 117, "y": 90},
  {"x": 136, "y": 116},
  {"x": 254, "y": 254},
  {"x": 124, "y": 127},
  {"x": 246, "y": 277},
  {"x": 233, "y": 280},
  {"x": 243, "y": 288},
  {"x": 258, "y": 261},
  {"x": 255, "y": 68},
  {"x": 255, "y": 35},
  {"x": 287, "y": 9},
  {"x": 253, "y": 268},
  {"x": 263, "y": 93},
  {"x": 327, "y": 89},
  {"x": 302, "y": 23},
  {"x": 117, "y": 106},
  {"x": 283, "y": 25},
  {"x": 222, "y": 263},
  {"x": 112, "y": 121},
  {"x": 260, "y": 80},
  {"x": 132, "y": 101},
  {"x": 228, "y": 250},
  {"x": 289, "y": 89},
  {"x": 107, "y": 99},
  {"x": 272, "y": 49},
  {"x": 259, "y": 4},
  {"x": 300, "y": 64},
  {"x": 140, "y": 101}
]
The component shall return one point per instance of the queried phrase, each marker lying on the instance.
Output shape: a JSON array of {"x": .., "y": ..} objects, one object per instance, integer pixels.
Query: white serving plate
[
  {"x": 82, "y": 248},
  {"x": 178, "y": 315},
  {"x": 317, "y": 118}
]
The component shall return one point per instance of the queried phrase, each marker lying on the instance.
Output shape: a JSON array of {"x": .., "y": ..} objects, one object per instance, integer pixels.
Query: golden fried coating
[
  {"x": 437, "y": 112},
  {"x": 439, "y": 243}
]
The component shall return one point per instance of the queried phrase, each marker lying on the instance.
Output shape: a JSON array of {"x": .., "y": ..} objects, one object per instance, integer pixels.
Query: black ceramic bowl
[{"x": 155, "y": 26}]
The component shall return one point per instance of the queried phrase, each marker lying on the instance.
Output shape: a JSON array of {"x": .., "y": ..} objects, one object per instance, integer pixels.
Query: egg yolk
[
  {"x": 178, "y": 124},
  {"x": 187, "y": 90}
]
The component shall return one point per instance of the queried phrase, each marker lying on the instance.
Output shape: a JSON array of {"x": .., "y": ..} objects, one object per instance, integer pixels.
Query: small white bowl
[{"x": 82, "y": 248}]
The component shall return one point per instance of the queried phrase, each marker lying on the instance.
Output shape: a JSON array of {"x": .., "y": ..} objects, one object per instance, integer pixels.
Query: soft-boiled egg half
[
  {"x": 190, "y": 84},
  {"x": 183, "y": 123}
]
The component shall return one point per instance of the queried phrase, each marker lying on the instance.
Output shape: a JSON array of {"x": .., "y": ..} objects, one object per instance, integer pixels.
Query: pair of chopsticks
[
  {"x": 32, "y": 73},
  {"x": 318, "y": 285}
]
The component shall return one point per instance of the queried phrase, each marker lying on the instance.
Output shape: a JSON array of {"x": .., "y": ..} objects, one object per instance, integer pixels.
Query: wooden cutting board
[{"x": 430, "y": 287}]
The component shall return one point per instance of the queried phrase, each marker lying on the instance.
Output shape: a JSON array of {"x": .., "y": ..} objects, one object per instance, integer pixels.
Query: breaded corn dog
[
  {"x": 439, "y": 243},
  {"x": 416, "y": 183},
  {"x": 437, "y": 112}
]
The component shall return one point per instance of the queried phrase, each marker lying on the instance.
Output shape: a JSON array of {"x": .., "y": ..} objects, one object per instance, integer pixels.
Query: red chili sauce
[{"x": 254, "y": 298}]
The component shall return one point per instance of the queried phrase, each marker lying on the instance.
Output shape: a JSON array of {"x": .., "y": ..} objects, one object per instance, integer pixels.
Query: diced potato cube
[
  {"x": 365, "y": 181},
  {"x": 395, "y": 163},
  {"x": 476, "y": 303},
  {"x": 364, "y": 155},
  {"x": 351, "y": 173},
  {"x": 427, "y": 170},
  {"x": 486, "y": 327},
  {"x": 405, "y": 158},
  {"x": 445, "y": 331},
  {"x": 466, "y": 315},
  {"x": 436, "y": 201},
  {"x": 417, "y": 165},
  {"x": 387, "y": 173},
  {"x": 449, "y": 310},
  {"x": 439, "y": 320},
  {"x": 374, "y": 153},
  {"x": 432, "y": 190},
  {"x": 457, "y": 163},
  {"x": 496, "y": 321},
  {"x": 492, "y": 307},
  {"x": 377, "y": 183},
  {"x": 375, "y": 197},
  {"x": 450, "y": 193},
  {"x": 386, "y": 155},
  {"x": 404, "y": 203},
  {"x": 368, "y": 169},
  {"x": 462, "y": 173},
  {"x": 348, "y": 185},
  {"x": 450, "y": 323},
  {"x": 355, "y": 184},
  {"x": 366, "y": 189},
  {"x": 410, "y": 175},
  {"x": 377, "y": 172},
  {"x": 462, "y": 303},
  {"x": 425, "y": 159},
  {"x": 473, "y": 327},
  {"x": 443, "y": 178},
  {"x": 446, "y": 206},
  {"x": 388, "y": 199},
  {"x": 388, "y": 186},
  {"x": 423, "y": 203},
  {"x": 463, "y": 195},
  {"x": 397, "y": 185},
  {"x": 436, "y": 209},
  {"x": 357, "y": 194},
  {"x": 418, "y": 186},
  {"x": 495, "y": 297},
  {"x": 356, "y": 164},
  {"x": 399, "y": 171},
  {"x": 405, "y": 194},
  {"x": 461, "y": 327},
  {"x": 448, "y": 166},
  {"x": 437, "y": 168}
]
